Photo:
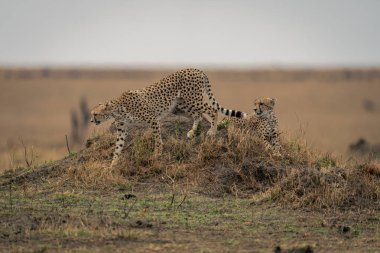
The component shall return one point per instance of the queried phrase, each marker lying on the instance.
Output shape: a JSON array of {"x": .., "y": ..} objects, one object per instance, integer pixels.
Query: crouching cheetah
[
  {"x": 187, "y": 89},
  {"x": 261, "y": 123}
]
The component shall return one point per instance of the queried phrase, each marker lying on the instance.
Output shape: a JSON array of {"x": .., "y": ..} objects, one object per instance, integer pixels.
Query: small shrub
[
  {"x": 325, "y": 162},
  {"x": 371, "y": 168},
  {"x": 223, "y": 125}
]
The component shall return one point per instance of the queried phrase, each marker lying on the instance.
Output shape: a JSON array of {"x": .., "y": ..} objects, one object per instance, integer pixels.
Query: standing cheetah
[
  {"x": 262, "y": 123},
  {"x": 187, "y": 89}
]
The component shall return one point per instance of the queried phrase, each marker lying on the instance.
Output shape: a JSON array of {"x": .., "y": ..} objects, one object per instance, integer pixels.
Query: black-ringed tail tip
[{"x": 233, "y": 113}]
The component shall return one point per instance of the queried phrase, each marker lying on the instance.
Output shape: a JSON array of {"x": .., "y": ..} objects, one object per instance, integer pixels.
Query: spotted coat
[
  {"x": 262, "y": 123},
  {"x": 187, "y": 89}
]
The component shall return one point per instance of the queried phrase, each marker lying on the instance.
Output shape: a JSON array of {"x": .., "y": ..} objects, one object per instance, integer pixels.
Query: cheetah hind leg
[{"x": 212, "y": 117}]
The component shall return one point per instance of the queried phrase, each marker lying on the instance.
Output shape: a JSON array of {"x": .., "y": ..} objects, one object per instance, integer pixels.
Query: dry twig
[
  {"x": 67, "y": 145},
  {"x": 30, "y": 162}
]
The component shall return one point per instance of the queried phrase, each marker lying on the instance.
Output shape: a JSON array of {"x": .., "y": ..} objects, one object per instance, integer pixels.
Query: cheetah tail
[{"x": 215, "y": 104}]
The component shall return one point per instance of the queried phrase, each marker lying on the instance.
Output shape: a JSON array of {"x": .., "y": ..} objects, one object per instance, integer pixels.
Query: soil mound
[{"x": 232, "y": 162}]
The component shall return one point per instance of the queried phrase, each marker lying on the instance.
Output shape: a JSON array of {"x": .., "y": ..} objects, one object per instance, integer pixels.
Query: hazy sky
[{"x": 227, "y": 33}]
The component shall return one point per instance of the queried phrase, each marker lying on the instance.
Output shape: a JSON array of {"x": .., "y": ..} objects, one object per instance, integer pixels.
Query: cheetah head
[
  {"x": 263, "y": 106},
  {"x": 101, "y": 113}
]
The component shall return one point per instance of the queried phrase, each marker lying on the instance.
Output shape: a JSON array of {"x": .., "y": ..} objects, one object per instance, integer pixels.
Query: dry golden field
[{"x": 333, "y": 108}]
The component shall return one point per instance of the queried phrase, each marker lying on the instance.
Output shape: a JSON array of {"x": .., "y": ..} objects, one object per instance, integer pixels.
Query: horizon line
[{"x": 211, "y": 66}]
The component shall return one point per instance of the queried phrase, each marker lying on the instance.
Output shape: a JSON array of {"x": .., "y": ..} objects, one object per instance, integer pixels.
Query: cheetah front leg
[
  {"x": 197, "y": 120},
  {"x": 272, "y": 146},
  {"x": 120, "y": 141},
  {"x": 277, "y": 150},
  {"x": 196, "y": 116},
  {"x": 276, "y": 146},
  {"x": 155, "y": 125},
  {"x": 268, "y": 146},
  {"x": 150, "y": 117}
]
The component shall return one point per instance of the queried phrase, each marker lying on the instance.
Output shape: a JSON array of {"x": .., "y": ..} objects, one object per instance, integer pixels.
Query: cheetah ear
[
  {"x": 273, "y": 102},
  {"x": 108, "y": 104}
]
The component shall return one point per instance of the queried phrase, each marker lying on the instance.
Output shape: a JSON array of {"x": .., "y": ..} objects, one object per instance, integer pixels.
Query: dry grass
[
  {"x": 372, "y": 168},
  {"x": 233, "y": 162},
  {"x": 205, "y": 194}
]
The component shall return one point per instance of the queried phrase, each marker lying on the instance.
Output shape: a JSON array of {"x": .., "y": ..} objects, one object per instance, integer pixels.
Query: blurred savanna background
[
  {"x": 57, "y": 60},
  {"x": 319, "y": 59},
  {"x": 331, "y": 108}
]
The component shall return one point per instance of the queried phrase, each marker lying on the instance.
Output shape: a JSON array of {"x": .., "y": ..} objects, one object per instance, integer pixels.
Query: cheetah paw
[
  {"x": 211, "y": 132},
  {"x": 190, "y": 134}
]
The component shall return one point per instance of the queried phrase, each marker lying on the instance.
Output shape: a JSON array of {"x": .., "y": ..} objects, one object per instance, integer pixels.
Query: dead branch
[
  {"x": 67, "y": 145},
  {"x": 28, "y": 163},
  {"x": 183, "y": 200}
]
